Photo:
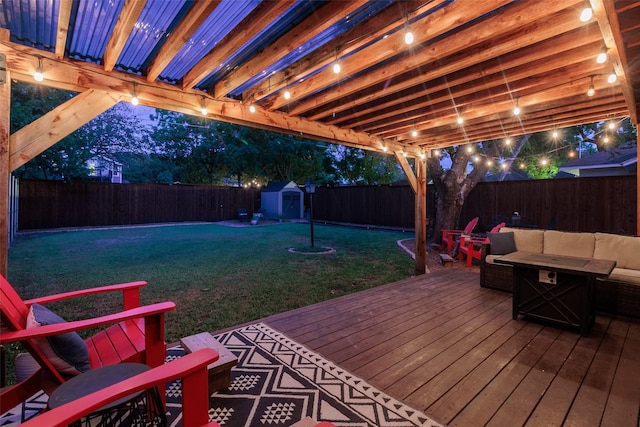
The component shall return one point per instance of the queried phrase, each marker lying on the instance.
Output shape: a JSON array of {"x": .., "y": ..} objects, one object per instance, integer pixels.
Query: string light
[
  {"x": 602, "y": 56},
  {"x": 612, "y": 78},
  {"x": 460, "y": 120},
  {"x": 287, "y": 94},
  {"x": 134, "y": 98},
  {"x": 554, "y": 134},
  {"x": 414, "y": 133},
  {"x": 423, "y": 156},
  {"x": 469, "y": 149},
  {"x": 489, "y": 162},
  {"x": 436, "y": 152},
  {"x": 507, "y": 141},
  {"x": 336, "y": 65},
  {"x": 203, "y": 107},
  {"x": 516, "y": 109},
  {"x": 586, "y": 14},
  {"x": 611, "y": 125},
  {"x": 38, "y": 76},
  {"x": 591, "y": 90},
  {"x": 606, "y": 139},
  {"x": 252, "y": 108},
  {"x": 384, "y": 148},
  {"x": 544, "y": 162},
  {"x": 408, "y": 35}
]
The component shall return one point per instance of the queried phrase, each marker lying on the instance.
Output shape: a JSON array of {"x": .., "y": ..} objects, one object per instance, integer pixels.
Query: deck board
[{"x": 444, "y": 345}]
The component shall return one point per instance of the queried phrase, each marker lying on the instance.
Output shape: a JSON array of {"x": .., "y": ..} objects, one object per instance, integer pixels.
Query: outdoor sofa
[{"x": 618, "y": 294}]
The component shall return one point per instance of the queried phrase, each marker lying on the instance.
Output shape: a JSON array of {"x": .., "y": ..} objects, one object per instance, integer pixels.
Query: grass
[{"x": 218, "y": 276}]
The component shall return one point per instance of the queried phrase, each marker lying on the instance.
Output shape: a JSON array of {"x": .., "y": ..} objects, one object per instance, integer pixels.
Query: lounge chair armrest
[
  {"x": 61, "y": 328},
  {"x": 192, "y": 369},
  {"x": 131, "y": 294}
]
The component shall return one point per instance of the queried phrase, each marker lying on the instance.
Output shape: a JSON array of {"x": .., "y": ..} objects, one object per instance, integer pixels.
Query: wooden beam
[
  {"x": 507, "y": 20},
  {"x": 605, "y": 13},
  {"x": 421, "y": 217},
  {"x": 126, "y": 20},
  {"x": 571, "y": 45},
  {"x": 64, "y": 14},
  {"x": 255, "y": 22},
  {"x": 346, "y": 43},
  {"x": 71, "y": 76},
  {"x": 41, "y": 134},
  {"x": 319, "y": 21},
  {"x": 5, "y": 126},
  {"x": 406, "y": 168},
  {"x": 193, "y": 19}
]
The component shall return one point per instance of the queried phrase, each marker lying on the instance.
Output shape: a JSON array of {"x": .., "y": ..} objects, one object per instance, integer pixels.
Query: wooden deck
[{"x": 444, "y": 345}]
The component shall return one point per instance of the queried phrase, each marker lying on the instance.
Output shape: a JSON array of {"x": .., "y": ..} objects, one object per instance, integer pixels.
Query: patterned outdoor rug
[{"x": 278, "y": 381}]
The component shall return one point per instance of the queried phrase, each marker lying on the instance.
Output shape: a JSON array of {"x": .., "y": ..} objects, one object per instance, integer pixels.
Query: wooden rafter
[
  {"x": 604, "y": 12},
  {"x": 255, "y": 22},
  {"x": 351, "y": 41},
  {"x": 195, "y": 16},
  {"x": 322, "y": 19},
  {"x": 64, "y": 14},
  {"x": 126, "y": 21}
]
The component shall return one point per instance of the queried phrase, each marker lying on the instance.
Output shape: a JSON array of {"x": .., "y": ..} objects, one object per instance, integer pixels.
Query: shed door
[{"x": 291, "y": 205}]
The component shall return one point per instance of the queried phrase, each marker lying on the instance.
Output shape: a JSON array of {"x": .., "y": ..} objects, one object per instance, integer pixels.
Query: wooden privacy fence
[
  {"x": 53, "y": 204},
  {"x": 605, "y": 204}
]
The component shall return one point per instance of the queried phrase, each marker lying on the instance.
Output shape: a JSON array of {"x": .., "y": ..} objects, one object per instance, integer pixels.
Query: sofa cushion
[
  {"x": 569, "y": 244},
  {"x": 526, "y": 239},
  {"x": 502, "y": 243},
  {"x": 625, "y": 275},
  {"x": 623, "y": 250}
]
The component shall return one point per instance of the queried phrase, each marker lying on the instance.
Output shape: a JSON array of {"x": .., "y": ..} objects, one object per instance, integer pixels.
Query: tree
[
  {"x": 539, "y": 155},
  {"x": 110, "y": 134},
  {"x": 361, "y": 167}
]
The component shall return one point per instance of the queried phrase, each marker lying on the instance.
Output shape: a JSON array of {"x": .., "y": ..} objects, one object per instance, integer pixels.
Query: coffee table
[
  {"x": 138, "y": 409},
  {"x": 555, "y": 288}
]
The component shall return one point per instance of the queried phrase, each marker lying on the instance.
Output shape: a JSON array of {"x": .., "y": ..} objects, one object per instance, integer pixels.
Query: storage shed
[{"x": 282, "y": 200}]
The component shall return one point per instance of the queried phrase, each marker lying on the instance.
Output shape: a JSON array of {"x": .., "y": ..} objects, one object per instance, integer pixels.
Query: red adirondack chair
[
  {"x": 133, "y": 335},
  {"x": 191, "y": 369},
  {"x": 472, "y": 246},
  {"x": 449, "y": 237}
]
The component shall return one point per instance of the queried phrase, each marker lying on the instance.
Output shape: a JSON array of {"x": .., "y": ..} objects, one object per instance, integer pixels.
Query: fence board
[{"x": 606, "y": 204}]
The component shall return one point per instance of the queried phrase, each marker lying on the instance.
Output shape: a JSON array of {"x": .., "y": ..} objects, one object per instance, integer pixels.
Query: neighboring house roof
[
  {"x": 274, "y": 187},
  {"x": 622, "y": 159}
]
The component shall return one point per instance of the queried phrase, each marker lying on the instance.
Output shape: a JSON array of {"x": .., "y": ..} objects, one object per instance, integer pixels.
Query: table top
[
  {"x": 560, "y": 263},
  {"x": 94, "y": 380}
]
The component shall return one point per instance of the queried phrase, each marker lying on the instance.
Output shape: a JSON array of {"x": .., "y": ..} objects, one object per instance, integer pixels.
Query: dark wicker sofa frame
[{"x": 610, "y": 296}]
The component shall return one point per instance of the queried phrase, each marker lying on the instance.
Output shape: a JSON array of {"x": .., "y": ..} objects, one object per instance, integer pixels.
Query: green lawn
[{"x": 218, "y": 276}]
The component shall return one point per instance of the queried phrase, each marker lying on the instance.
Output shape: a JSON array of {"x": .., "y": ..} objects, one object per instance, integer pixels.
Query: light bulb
[
  {"x": 612, "y": 125},
  {"x": 436, "y": 152},
  {"x": 606, "y": 140},
  {"x": 460, "y": 120},
  {"x": 543, "y": 162},
  {"x": 489, "y": 163},
  {"x": 287, "y": 94},
  {"x": 554, "y": 134},
  {"x": 414, "y": 133},
  {"x": 602, "y": 56},
  {"x": 38, "y": 76},
  {"x": 203, "y": 110},
  {"x": 384, "y": 148},
  {"x": 252, "y": 108},
  {"x": 612, "y": 78},
  {"x": 591, "y": 90},
  {"x": 336, "y": 67},
  {"x": 408, "y": 36},
  {"x": 516, "y": 110},
  {"x": 504, "y": 166},
  {"x": 134, "y": 100},
  {"x": 423, "y": 156},
  {"x": 507, "y": 141},
  {"x": 586, "y": 14}
]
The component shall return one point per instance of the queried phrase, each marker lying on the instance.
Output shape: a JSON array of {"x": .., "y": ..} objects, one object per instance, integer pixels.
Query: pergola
[{"x": 270, "y": 65}]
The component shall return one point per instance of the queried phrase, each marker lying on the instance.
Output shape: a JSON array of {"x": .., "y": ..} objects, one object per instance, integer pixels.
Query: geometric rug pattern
[{"x": 278, "y": 381}]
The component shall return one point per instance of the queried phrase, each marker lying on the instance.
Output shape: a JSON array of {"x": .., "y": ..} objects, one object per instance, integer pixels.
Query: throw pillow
[
  {"x": 67, "y": 352},
  {"x": 502, "y": 243}
]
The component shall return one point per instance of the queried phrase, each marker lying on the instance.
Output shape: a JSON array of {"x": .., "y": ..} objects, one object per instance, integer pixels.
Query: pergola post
[
  {"x": 5, "y": 107},
  {"x": 421, "y": 217},
  {"x": 638, "y": 184},
  {"x": 418, "y": 183}
]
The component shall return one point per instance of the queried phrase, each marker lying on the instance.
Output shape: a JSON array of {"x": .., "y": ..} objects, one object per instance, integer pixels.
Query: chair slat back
[
  {"x": 471, "y": 225},
  {"x": 14, "y": 317},
  {"x": 14, "y": 310},
  {"x": 497, "y": 227}
]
